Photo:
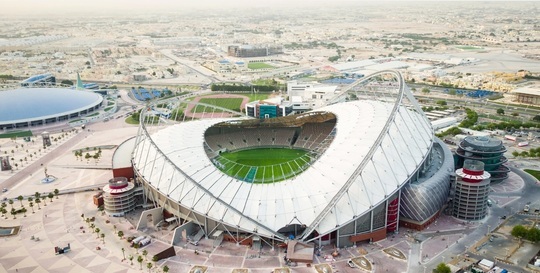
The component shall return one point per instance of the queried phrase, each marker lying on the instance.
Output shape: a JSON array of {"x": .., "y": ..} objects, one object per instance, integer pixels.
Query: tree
[
  {"x": 519, "y": 232},
  {"x": 56, "y": 192},
  {"x": 131, "y": 259},
  {"x": 102, "y": 235},
  {"x": 13, "y": 212},
  {"x": 533, "y": 234},
  {"x": 123, "y": 253},
  {"x": 452, "y": 92},
  {"x": 515, "y": 153},
  {"x": 67, "y": 82},
  {"x": 536, "y": 118},
  {"x": 165, "y": 269},
  {"x": 144, "y": 253},
  {"x": 4, "y": 211},
  {"x": 11, "y": 203},
  {"x": 51, "y": 196},
  {"x": 24, "y": 211},
  {"x": 37, "y": 202},
  {"x": 140, "y": 260},
  {"x": 425, "y": 90},
  {"x": 500, "y": 111},
  {"x": 149, "y": 266},
  {"x": 120, "y": 234},
  {"x": 97, "y": 231},
  {"x": 442, "y": 268},
  {"x": 32, "y": 206}
]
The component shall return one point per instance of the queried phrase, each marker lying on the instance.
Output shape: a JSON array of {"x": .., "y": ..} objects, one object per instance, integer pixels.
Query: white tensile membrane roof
[{"x": 190, "y": 178}]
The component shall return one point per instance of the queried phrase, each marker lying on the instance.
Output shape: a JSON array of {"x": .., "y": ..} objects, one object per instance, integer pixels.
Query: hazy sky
[
  {"x": 105, "y": 7},
  {"x": 58, "y": 6}
]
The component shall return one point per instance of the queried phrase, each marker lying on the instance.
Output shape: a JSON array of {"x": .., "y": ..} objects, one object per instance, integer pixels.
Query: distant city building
[
  {"x": 247, "y": 51},
  {"x": 471, "y": 191},
  {"x": 269, "y": 108},
  {"x": 488, "y": 150},
  {"x": 529, "y": 95},
  {"x": 39, "y": 80}
]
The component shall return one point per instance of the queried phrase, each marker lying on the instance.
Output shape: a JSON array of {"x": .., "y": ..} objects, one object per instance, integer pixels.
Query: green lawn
[
  {"x": 17, "y": 134},
  {"x": 264, "y": 165},
  {"x": 469, "y": 47},
  {"x": 131, "y": 120},
  {"x": 259, "y": 66},
  {"x": 229, "y": 103},
  {"x": 534, "y": 173},
  {"x": 254, "y": 97}
]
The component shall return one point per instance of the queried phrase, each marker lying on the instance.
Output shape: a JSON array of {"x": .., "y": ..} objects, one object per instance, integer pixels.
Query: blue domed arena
[{"x": 25, "y": 108}]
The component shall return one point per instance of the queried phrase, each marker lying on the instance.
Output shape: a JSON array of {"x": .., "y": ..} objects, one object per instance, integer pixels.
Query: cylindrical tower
[
  {"x": 119, "y": 196},
  {"x": 472, "y": 189}
]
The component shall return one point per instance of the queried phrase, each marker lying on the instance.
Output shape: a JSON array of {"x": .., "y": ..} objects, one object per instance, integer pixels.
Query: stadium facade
[{"x": 373, "y": 162}]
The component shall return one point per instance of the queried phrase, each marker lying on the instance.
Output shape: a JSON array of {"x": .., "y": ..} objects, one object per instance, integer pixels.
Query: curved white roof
[{"x": 348, "y": 179}]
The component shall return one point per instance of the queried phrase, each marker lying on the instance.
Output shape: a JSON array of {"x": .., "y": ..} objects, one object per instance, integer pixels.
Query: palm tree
[
  {"x": 92, "y": 226},
  {"x": 165, "y": 269},
  {"x": 123, "y": 253},
  {"x": 20, "y": 198},
  {"x": 120, "y": 234},
  {"x": 140, "y": 260},
  {"x": 97, "y": 231},
  {"x": 3, "y": 205},
  {"x": 144, "y": 253},
  {"x": 51, "y": 196},
  {"x": 30, "y": 199},
  {"x": 13, "y": 212},
  {"x": 149, "y": 266},
  {"x": 102, "y": 235},
  {"x": 11, "y": 203},
  {"x": 32, "y": 206},
  {"x": 37, "y": 195},
  {"x": 131, "y": 259},
  {"x": 24, "y": 211},
  {"x": 37, "y": 202},
  {"x": 56, "y": 192},
  {"x": 4, "y": 211}
]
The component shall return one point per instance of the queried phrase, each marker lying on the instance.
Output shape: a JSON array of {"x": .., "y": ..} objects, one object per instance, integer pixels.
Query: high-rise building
[
  {"x": 471, "y": 191},
  {"x": 488, "y": 150}
]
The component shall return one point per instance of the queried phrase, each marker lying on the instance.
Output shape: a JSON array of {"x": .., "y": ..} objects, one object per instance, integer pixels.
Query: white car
[{"x": 351, "y": 264}]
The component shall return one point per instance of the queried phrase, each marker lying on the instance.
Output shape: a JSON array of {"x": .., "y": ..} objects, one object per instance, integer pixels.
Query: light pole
[{"x": 424, "y": 269}]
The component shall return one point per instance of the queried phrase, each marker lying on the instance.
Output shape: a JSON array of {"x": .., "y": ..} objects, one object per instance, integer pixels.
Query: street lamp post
[{"x": 425, "y": 269}]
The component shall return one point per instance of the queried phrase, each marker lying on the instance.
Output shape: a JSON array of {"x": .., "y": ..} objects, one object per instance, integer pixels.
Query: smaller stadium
[{"x": 25, "y": 108}]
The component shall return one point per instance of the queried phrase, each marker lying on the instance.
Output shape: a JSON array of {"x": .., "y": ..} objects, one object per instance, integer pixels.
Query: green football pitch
[
  {"x": 229, "y": 103},
  {"x": 265, "y": 165}
]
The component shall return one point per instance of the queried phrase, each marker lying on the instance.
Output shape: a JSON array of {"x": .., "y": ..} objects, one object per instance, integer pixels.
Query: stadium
[
  {"x": 348, "y": 172},
  {"x": 30, "y": 107}
]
